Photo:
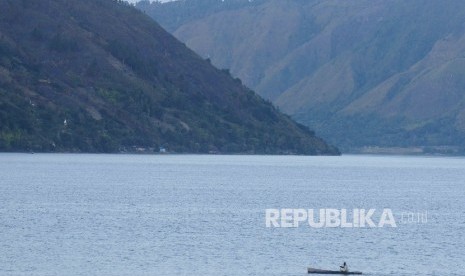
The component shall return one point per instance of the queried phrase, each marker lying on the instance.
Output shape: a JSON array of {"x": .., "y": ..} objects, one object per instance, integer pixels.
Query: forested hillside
[{"x": 100, "y": 76}]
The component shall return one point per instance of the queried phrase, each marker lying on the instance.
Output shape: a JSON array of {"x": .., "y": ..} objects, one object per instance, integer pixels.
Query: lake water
[{"x": 65, "y": 214}]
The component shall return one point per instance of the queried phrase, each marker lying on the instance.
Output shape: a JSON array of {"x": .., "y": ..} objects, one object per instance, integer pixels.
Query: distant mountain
[
  {"x": 100, "y": 76},
  {"x": 362, "y": 73}
]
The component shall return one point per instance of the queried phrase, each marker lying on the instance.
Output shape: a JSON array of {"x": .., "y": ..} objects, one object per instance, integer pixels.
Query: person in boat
[{"x": 344, "y": 267}]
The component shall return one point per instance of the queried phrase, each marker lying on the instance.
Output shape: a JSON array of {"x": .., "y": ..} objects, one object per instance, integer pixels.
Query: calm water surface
[{"x": 65, "y": 214}]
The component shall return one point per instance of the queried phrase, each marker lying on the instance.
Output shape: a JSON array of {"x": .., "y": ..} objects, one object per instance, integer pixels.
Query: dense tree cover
[{"x": 100, "y": 76}]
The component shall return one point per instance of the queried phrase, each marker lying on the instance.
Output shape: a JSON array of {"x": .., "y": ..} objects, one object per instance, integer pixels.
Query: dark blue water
[{"x": 64, "y": 214}]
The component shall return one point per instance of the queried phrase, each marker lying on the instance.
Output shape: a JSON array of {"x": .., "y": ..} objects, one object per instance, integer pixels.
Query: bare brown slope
[{"x": 385, "y": 73}]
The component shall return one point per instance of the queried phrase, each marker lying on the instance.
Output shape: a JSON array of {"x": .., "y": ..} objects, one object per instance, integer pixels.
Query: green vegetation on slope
[{"x": 100, "y": 76}]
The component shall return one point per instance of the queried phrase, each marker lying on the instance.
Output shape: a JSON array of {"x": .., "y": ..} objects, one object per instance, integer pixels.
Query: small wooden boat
[{"x": 322, "y": 271}]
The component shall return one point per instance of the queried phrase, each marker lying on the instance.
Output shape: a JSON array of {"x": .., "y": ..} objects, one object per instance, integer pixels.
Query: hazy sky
[{"x": 134, "y": 1}]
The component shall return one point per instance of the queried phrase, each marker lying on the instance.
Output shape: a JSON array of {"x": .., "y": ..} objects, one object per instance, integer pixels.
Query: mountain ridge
[
  {"x": 100, "y": 76},
  {"x": 338, "y": 66}
]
